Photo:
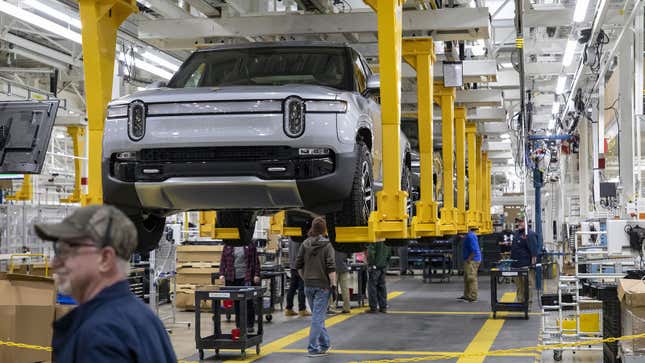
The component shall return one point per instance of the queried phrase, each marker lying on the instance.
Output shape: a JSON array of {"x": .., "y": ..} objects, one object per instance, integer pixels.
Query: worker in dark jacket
[
  {"x": 316, "y": 266},
  {"x": 524, "y": 250},
  {"x": 378, "y": 258},
  {"x": 111, "y": 325},
  {"x": 240, "y": 266}
]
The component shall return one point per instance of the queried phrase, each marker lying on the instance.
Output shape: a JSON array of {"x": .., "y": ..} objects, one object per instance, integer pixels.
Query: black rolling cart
[
  {"x": 433, "y": 262},
  {"x": 220, "y": 340},
  {"x": 358, "y": 294},
  {"x": 496, "y": 305},
  {"x": 276, "y": 281}
]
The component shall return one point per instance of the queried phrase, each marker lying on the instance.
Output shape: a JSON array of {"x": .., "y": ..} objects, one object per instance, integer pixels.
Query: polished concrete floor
[{"x": 424, "y": 322}]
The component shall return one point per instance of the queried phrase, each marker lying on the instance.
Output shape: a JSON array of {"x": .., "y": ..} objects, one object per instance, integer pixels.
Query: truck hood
[{"x": 236, "y": 93}]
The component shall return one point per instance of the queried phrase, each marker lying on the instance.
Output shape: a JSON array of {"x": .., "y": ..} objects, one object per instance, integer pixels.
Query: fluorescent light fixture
[
  {"x": 39, "y": 21},
  {"x": 562, "y": 81},
  {"x": 75, "y": 22},
  {"x": 505, "y": 136},
  {"x": 143, "y": 65},
  {"x": 556, "y": 108},
  {"x": 506, "y": 65},
  {"x": 160, "y": 61},
  {"x": 510, "y": 161},
  {"x": 568, "y": 52},
  {"x": 581, "y": 10}
]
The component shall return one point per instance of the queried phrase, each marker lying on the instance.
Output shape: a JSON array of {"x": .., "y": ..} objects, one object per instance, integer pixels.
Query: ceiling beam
[
  {"x": 440, "y": 24},
  {"x": 60, "y": 58},
  {"x": 468, "y": 98}
]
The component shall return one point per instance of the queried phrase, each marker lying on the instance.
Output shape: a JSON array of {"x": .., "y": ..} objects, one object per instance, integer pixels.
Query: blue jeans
[{"x": 318, "y": 300}]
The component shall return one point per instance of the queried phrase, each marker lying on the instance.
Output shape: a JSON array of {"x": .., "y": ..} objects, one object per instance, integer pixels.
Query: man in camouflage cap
[{"x": 92, "y": 249}]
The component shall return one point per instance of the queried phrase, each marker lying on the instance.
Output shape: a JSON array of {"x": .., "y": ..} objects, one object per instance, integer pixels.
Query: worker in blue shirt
[
  {"x": 92, "y": 249},
  {"x": 472, "y": 258},
  {"x": 524, "y": 253}
]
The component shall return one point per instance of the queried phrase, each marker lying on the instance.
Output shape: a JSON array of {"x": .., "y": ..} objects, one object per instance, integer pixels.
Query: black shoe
[
  {"x": 384, "y": 311},
  {"x": 316, "y": 354},
  {"x": 371, "y": 311},
  {"x": 471, "y": 300},
  {"x": 462, "y": 298}
]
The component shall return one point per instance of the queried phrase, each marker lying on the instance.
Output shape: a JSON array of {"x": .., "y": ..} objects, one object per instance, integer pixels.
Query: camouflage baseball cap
[{"x": 104, "y": 224}]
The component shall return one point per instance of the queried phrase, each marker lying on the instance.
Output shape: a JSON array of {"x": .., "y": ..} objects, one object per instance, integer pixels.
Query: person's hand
[
  {"x": 221, "y": 278},
  {"x": 256, "y": 279}
]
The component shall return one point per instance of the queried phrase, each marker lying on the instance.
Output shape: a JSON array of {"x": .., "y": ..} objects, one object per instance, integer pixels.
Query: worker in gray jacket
[
  {"x": 296, "y": 284},
  {"x": 342, "y": 281},
  {"x": 316, "y": 265}
]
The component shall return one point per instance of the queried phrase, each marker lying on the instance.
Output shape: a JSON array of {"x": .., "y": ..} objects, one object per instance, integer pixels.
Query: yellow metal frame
[
  {"x": 26, "y": 191},
  {"x": 419, "y": 54},
  {"x": 100, "y": 20},
  {"x": 390, "y": 220},
  {"x": 208, "y": 227},
  {"x": 460, "y": 152},
  {"x": 76, "y": 133},
  {"x": 278, "y": 227},
  {"x": 473, "y": 166},
  {"x": 45, "y": 259},
  {"x": 446, "y": 98}
]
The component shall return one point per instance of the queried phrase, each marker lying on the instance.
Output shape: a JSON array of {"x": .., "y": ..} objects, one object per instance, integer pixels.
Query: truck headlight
[
  {"x": 294, "y": 116},
  {"x": 136, "y": 120}
]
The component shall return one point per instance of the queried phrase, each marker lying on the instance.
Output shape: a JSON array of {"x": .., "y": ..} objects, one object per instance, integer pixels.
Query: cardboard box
[
  {"x": 185, "y": 298},
  {"x": 189, "y": 253},
  {"x": 26, "y": 315},
  {"x": 631, "y": 292},
  {"x": 187, "y": 274}
]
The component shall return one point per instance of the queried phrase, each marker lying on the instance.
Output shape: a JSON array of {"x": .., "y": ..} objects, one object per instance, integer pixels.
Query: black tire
[
  {"x": 406, "y": 185},
  {"x": 201, "y": 354},
  {"x": 243, "y": 221},
  {"x": 269, "y": 318},
  {"x": 557, "y": 355},
  {"x": 150, "y": 228},
  {"x": 360, "y": 203}
]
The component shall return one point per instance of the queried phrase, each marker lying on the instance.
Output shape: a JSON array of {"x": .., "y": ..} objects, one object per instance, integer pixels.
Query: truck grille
[{"x": 236, "y": 153}]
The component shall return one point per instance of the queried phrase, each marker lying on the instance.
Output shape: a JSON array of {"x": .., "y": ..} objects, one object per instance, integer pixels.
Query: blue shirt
[
  {"x": 471, "y": 245},
  {"x": 115, "y": 326}
]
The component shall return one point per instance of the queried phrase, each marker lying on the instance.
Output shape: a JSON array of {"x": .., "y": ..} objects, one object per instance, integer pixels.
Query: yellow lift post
[
  {"x": 481, "y": 181},
  {"x": 446, "y": 96},
  {"x": 460, "y": 151},
  {"x": 473, "y": 152},
  {"x": 208, "y": 227},
  {"x": 278, "y": 227},
  {"x": 390, "y": 220},
  {"x": 26, "y": 191},
  {"x": 419, "y": 54},
  {"x": 76, "y": 133},
  {"x": 487, "y": 222},
  {"x": 100, "y": 20}
]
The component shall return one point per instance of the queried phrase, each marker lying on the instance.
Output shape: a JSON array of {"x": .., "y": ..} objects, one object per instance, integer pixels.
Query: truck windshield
[{"x": 265, "y": 67}]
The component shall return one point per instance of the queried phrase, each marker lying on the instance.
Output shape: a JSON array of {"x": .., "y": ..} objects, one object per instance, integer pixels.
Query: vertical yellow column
[
  {"x": 447, "y": 97},
  {"x": 207, "y": 221},
  {"x": 489, "y": 191},
  {"x": 26, "y": 191},
  {"x": 419, "y": 53},
  {"x": 473, "y": 152},
  {"x": 460, "y": 152},
  {"x": 480, "y": 179},
  {"x": 391, "y": 214},
  {"x": 76, "y": 133},
  {"x": 100, "y": 20}
]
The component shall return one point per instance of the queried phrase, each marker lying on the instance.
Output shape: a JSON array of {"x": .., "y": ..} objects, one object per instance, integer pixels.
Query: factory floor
[{"x": 425, "y": 322}]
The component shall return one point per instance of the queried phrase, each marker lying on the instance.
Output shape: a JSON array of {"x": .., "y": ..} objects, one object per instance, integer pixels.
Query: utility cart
[
  {"x": 358, "y": 270},
  {"x": 276, "y": 280},
  {"x": 497, "y": 305},
  {"x": 220, "y": 340}
]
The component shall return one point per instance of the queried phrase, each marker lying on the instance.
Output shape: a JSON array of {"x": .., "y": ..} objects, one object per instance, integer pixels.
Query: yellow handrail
[{"x": 11, "y": 264}]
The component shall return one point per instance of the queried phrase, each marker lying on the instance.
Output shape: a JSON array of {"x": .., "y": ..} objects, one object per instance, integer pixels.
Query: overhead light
[
  {"x": 160, "y": 61},
  {"x": 40, "y": 22},
  {"x": 37, "y": 5},
  {"x": 562, "y": 81},
  {"x": 505, "y": 136},
  {"x": 506, "y": 65},
  {"x": 568, "y": 52},
  {"x": 581, "y": 10},
  {"x": 143, "y": 65},
  {"x": 556, "y": 108}
]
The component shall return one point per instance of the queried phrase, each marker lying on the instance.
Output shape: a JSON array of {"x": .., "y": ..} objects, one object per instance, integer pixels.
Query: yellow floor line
[
  {"x": 284, "y": 342},
  {"x": 390, "y": 353},
  {"x": 483, "y": 341},
  {"x": 404, "y": 312}
]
